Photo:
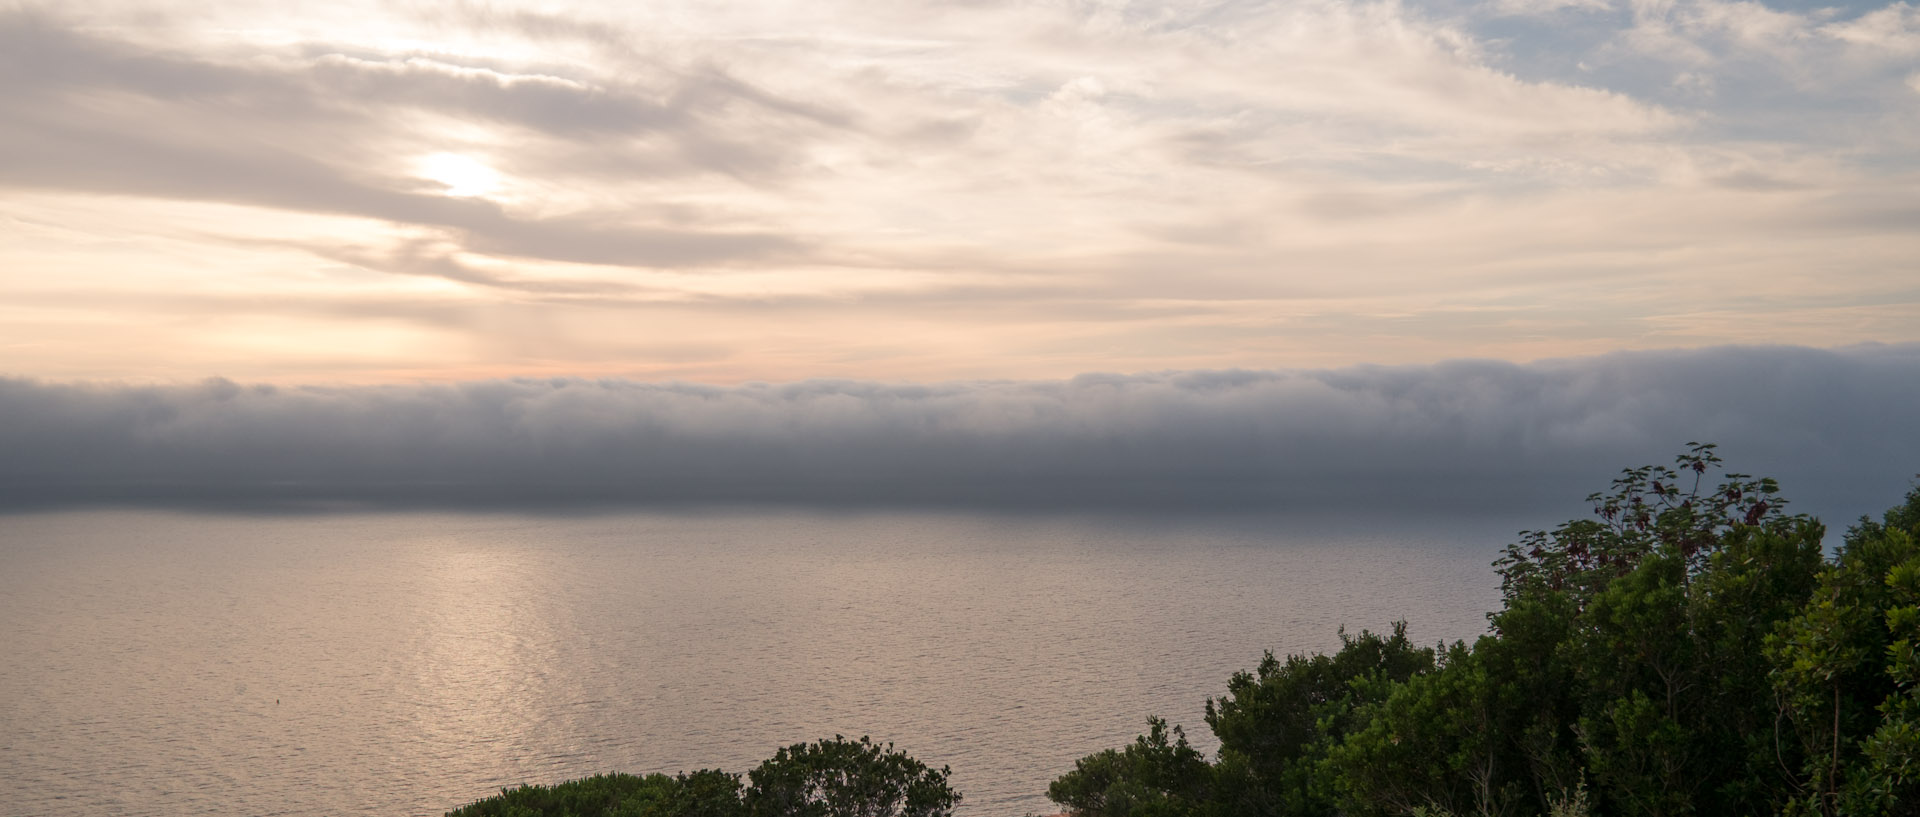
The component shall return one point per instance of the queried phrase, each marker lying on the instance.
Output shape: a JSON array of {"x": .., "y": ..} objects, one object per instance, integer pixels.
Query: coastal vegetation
[
  {"x": 828, "y": 778},
  {"x": 1690, "y": 649}
]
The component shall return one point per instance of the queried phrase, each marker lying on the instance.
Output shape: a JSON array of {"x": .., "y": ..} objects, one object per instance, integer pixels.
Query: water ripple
[{"x": 403, "y": 664}]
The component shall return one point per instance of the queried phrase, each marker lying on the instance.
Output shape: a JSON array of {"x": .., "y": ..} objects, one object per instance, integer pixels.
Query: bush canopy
[
  {"x": 1688, "y": 650},
  {"x": 828, "y": 778}
]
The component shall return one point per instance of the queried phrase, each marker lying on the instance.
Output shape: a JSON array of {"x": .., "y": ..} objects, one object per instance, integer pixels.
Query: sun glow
[{"x": 460, "y": 175}]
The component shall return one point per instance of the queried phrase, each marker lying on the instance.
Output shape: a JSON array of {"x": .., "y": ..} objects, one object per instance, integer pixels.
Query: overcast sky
[{"x": 350, "y": 192}]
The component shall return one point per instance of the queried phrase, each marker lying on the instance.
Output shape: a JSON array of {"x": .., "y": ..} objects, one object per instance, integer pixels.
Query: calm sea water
[{"x": 407, "y": 663}]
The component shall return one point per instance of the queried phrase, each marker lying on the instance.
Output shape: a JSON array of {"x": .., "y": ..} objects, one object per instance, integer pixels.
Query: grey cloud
[
  {"x": 433, "y": 312},
  {"x": 539, "y": 103},
  {"x": 417, "y": 258},
  {"x": 524, "y": 23},
  {"x": 1834, "y": 425},
  {"x": 1756, "y": 182},
  {"x": 57, "y": 156},
  {"x": 87, "y": 114},
  {"x": 40, "y": 56}
]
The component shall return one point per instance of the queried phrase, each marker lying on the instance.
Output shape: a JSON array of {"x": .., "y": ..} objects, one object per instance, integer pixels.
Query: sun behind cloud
[{"x": 461, "y": 175}]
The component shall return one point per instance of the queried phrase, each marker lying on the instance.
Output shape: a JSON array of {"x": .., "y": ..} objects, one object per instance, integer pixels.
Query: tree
[
  {"x": 1689, "y": 650},
  {"x": 829, "y": 778},
  {"x": 1152, "y": 776},
  {"x": 1277, "y": 723},
  {"x": 845, "y": 778},
  {"x": 1432, "y": 744},
  {"x": 1847, "y": 676},
  {"x": 1647, "y": 511},
  {"x": 708, "y": 793},
  {"x": 1669, "y": 595}
]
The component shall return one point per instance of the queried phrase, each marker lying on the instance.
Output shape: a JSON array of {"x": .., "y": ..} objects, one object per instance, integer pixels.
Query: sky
[
  {"x": 354, "y": 193},
  {"x": 1336, "y": 253}
]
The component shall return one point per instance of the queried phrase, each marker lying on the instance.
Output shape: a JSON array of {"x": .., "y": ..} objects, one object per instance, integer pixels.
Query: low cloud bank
[{"x": 1838, "y": 427}]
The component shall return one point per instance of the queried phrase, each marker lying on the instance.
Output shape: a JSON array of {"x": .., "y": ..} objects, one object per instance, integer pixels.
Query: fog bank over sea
[
  {"x": 397, "y": 599},
  {"x": 1834, "y": 425}
]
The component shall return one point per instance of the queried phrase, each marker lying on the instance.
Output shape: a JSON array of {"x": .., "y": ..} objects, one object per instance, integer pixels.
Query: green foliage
[
  {"x": 1889, "y": 771},
  {"x": 1151, "y": 777},
  {"x": 701, "y": 794},
  {"x": 1647, "y": 511},
  {"x": 845, "y": 778},
  {"x": 1572, "y": 803},
  {"x": 1427, "y": 746},
  {"x": 1278, "y": 723},
  {"x": 830, "y": 778},
  {"x": 1687, "y": 651},
  {"x": 1845, "y": 672},
  {"x": 1275, "y": 726}
]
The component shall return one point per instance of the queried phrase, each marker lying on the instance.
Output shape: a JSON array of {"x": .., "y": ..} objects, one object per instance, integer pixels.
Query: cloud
[
  {"x": 1892, "y": 31},
  {"x": 316, "y": 136},
  {"x": 1834, "y": 425},
  {"x": 1820, "y": 49},
  {"x": 939, "y": 190},
  {"x": 1548, "y": 8}
]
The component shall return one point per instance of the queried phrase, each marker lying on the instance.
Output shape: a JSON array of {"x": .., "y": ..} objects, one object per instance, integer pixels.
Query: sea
[{"x": 355, "y": 662}]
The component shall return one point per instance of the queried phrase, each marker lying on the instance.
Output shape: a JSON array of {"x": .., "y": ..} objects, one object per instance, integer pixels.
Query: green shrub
[
  {"x": 829, "y": 778},
  {"x": 700, "y": 794},
  {"x": 1689, "y": 650}
]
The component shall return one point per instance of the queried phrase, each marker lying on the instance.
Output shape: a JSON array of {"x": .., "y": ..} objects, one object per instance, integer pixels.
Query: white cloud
[
  {"x": 1815, "y": 49},
  {"x": 1893, "y": 31}
]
